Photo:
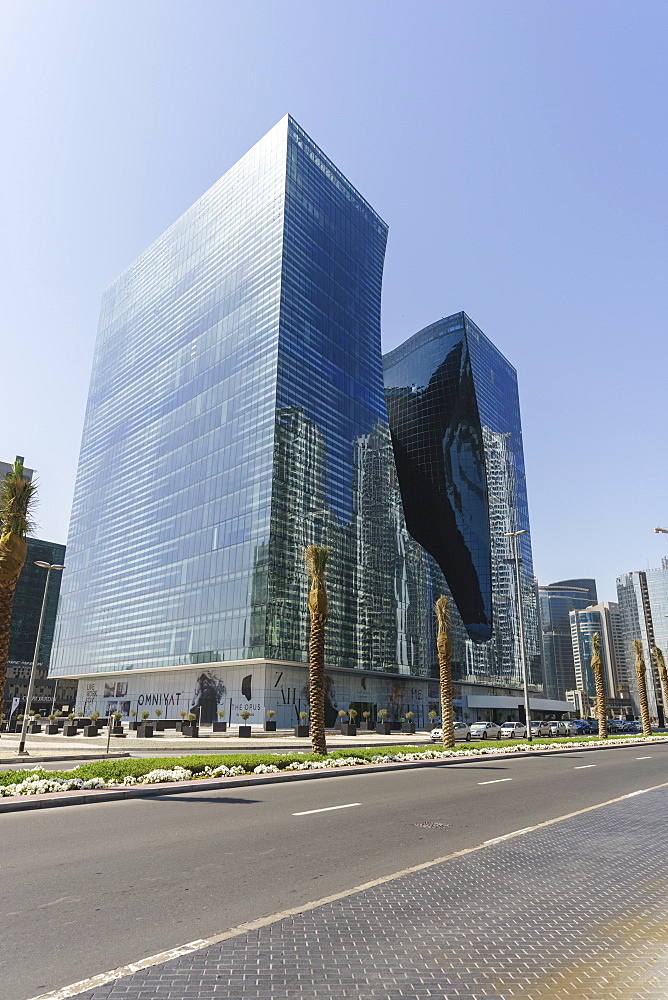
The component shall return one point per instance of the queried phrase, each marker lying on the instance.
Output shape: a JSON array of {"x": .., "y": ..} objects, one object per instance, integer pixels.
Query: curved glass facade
[{"x": 455, "y": 421}]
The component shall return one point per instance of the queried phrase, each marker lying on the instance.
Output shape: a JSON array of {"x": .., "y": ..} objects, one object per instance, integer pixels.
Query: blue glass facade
[
  {"x": 455, "y": 421},
  {"x": 237, "y": 414},
  {"x": 557, "y": 600}
]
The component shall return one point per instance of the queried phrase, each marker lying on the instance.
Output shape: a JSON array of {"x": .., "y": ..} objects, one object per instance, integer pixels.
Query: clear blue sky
[{"x": 516, "y": 149}]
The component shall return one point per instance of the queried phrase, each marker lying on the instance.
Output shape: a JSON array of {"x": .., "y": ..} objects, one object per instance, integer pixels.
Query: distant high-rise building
[
  {"x": 643, "y": 604},
  {"x": 604, "y": 618},
  {"x": 557, "y": 600},
  {"x": 26, "y": 611}
]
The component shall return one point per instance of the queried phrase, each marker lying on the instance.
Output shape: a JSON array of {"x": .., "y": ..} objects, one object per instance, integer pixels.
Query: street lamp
[
  {"x": 31, "y": 683},
  {"x": 520, "y": 614},
  {"x": 661, "y": 531}
]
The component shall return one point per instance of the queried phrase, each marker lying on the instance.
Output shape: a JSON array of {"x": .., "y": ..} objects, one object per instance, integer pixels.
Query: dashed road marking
[
  {"x": 494, "y": 782},
  {"x": 309, "y": 812}
]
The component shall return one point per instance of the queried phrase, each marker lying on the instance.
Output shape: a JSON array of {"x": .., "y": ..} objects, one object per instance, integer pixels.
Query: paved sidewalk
[{"x": 577, "y": 910}]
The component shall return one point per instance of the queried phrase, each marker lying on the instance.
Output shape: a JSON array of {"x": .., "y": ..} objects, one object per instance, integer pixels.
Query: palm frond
[
  {"x": 658, "y": 656},
  {"x": 442, "y": 610},
  {"x": 18, "y": 497},
  {"x": 640, "y": 659},
  {"x": 316, "y": 557}
]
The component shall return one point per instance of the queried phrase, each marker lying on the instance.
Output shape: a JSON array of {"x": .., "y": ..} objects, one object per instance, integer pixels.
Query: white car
[
  {"x": 513, "y": 730},
  {"x": 540, "y": 728},
  {"x": 462, "y": 732},
  {"x": 485, "y": 731},
  {"x": 563, "y": 727}
]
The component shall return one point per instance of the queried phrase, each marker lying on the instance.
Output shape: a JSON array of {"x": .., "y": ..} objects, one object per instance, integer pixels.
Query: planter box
[
  {"x": 144, "y": 732},
  {"x": 301, "y": 731},
  {"x": 91, "y": 731},
  {"x": 347, "y": 729},
  {"x": 70, "y": 730},
  {"x": 220, "y": 727},
  {"x": 159, "y": 725},
  {"x": 408, "y": 727},
  {"x": 245, "y": 732},
  {"x": 52, "y": 729},
  {"x": 34, "y": 728},
  {"x": 367, "y": 727},
  {"x": 270, "y": 726},
  {"x": 383, "y": 728},
  {"x": 118, "y": 731},
  {"x": 188, "y": 730},
  {"x": 133, "y": 725}
]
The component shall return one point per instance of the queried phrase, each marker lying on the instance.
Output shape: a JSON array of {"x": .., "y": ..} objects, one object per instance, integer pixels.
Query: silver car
[
  {"x": 513, "y": 730},
  {"x": 485, "y": 731},
  {"x": 462, "y": 732},
  {"x": 540, "y": 728}
]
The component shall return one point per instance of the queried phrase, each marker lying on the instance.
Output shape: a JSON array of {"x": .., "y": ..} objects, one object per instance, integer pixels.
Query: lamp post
[
  {"x": 31, "y": 683},
  {"x": 520, "y": 616}
]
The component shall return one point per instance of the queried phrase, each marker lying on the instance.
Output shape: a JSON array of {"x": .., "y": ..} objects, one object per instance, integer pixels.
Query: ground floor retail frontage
[{"x": 260, "y": 686}]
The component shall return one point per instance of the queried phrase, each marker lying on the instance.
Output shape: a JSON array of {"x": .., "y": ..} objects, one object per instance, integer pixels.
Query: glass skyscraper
[
  {"x": 454, "y": 417},
  {"x": 557, "y": 600},
  {"x": 237, "y": 413}
]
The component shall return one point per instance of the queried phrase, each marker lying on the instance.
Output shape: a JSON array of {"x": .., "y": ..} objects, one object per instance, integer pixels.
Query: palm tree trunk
[
  {"x": 642, "y": 689},
  {"x": 444, "y": 648},
  {"x": 601, "y": 706},
  {"x": 663, "y": 677},
  {"x": 316, "y": 560},
  {"x": 317, "y": 682},
  {"x": 601, "y": 709}
]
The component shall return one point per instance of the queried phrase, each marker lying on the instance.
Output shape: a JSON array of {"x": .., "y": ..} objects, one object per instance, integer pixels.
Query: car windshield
[{"x": 508, "y": 725}]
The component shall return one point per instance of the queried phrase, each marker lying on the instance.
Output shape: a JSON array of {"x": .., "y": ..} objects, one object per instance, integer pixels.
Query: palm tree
[
  {"x": 316, "y": 559},
  {"x": 444, "y": 647},
  {"x": 17, "y": 499},
  {"x": 663, "y": 676},
  {"x": 642, "y": 688},
  {"x": 597, "y": 667}
]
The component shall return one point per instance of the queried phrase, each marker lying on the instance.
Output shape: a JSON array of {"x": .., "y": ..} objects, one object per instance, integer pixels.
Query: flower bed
[{"x": 123, "y": 773}]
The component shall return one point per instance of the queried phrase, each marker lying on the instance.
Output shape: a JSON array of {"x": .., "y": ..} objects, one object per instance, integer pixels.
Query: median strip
[{"x": 104, "y": 781}]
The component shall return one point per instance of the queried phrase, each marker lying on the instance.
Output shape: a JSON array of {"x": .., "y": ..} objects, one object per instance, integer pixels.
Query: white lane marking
[
  {"x": 494, "y": 782},
  {"x": 74, "y": 989},
  {"x": 506, "y": 836},
  {"x": 644, "y": 758},
  {"x": 581, "y": 767},
  {"x": 308, "y": 812}
]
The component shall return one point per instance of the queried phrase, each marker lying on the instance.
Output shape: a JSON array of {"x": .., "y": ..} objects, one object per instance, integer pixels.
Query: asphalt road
[{"x": 92, "y": 887}]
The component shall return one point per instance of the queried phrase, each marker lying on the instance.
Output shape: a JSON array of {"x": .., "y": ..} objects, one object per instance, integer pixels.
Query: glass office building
[
  {"x": 26, "y": 612},
  {"x": 236, "y": 414},
  {"x": 454, "y": 416},
  {"x": 643, "y": 605},
  {"x": 557, "y": 600}
]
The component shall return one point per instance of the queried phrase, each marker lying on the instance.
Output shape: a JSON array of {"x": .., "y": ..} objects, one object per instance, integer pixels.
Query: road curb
[
  {"x": 54, "y": 760},
  {"x": 22, "y": 803}
]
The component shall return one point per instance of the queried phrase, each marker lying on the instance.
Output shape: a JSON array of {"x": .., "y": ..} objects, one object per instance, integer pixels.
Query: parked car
[
  {"x": 593, "y": 725},
  {"x": 618, "y": 726},
  {"x": 462, "y": 732},
  {"x": 634, "y": 727},
  {"x": 485, "y": 731},
  {"x": 582, "y": 727},
  {"x": 513, "y": 730},
  {"x": 540, "y": 728},
  {"x": 558, "y": 728}
]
